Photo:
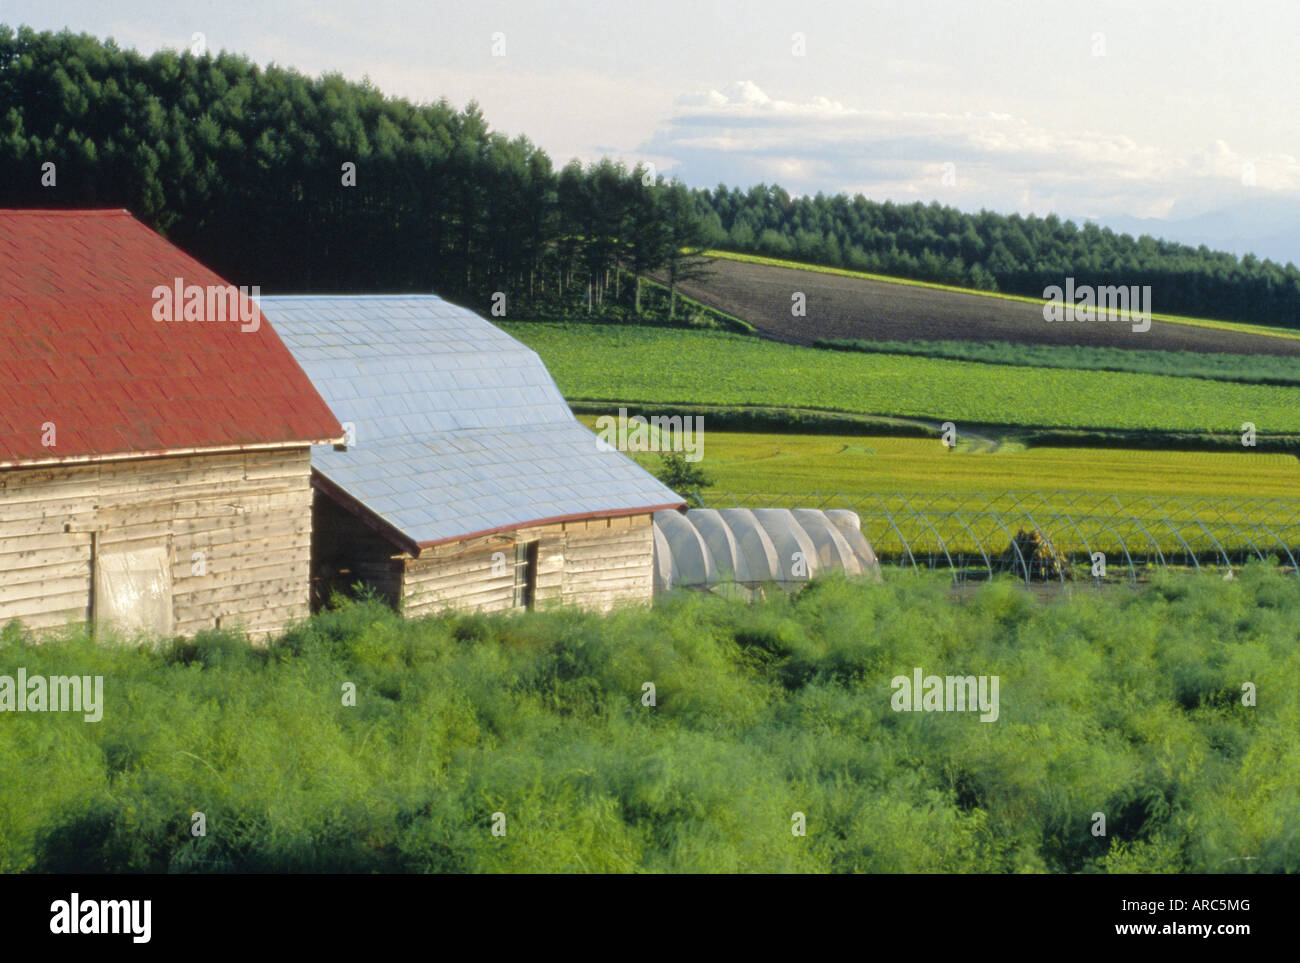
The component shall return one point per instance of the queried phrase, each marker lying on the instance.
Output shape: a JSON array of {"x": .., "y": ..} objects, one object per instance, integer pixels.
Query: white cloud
[{"x": 740, "y": 134}]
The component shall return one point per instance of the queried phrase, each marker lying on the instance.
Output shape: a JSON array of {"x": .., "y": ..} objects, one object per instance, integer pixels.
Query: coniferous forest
[{"x": 247, "y": 168}]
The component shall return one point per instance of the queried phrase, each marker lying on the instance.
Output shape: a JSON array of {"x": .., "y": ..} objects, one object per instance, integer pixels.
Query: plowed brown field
[{"x": 846, "y": 307}]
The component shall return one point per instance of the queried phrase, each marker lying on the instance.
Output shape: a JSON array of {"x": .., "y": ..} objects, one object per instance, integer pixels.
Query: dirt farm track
[{"x": 847, "y": 307}]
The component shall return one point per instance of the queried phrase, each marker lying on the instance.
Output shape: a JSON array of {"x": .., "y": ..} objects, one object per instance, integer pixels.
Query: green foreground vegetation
[
  {"x": 659, "y": 366},
  {"x": 1129, "y": 704}
]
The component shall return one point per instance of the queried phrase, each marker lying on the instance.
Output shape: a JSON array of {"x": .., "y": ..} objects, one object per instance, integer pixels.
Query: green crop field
[
  {"x": 676, "y": 367},
  {"x": 1246, "y": 368},
  {"x": 1142, "y": 506},
  {"x": 776, "y": 463}
]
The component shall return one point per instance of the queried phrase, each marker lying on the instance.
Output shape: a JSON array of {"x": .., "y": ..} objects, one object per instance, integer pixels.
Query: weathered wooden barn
[
  {"x": 465, "y": 481},
  {"x": 154, "y": 474}
]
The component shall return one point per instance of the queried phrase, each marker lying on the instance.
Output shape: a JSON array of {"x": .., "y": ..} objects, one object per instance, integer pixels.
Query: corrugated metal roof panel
[{"x": 470, "y": 435}]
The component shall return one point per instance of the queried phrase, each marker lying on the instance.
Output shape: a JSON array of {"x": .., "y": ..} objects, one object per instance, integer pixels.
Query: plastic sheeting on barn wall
[
  {"x": 133, "y": 588},
  {"x": 751, "y": 548}
]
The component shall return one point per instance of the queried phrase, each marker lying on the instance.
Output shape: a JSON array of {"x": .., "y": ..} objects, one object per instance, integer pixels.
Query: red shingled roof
[{"x": 79, "y": 347}]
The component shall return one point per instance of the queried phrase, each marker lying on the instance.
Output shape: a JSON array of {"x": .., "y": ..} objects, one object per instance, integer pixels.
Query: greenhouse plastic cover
[{"x": 706, "y": 547}]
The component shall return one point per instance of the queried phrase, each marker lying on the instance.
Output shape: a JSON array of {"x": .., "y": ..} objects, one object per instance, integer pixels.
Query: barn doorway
[{"x": 526, "y": 554}]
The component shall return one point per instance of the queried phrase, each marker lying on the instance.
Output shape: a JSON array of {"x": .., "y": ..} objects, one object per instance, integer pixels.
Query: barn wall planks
[
  {"x": 609, "y": 562},
  {"x": 596, "y": 564},
  {"x": 248, "y": 513}
]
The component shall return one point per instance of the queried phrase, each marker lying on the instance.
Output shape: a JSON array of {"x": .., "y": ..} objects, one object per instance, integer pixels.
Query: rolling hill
[{"x": 843, "y": 306}]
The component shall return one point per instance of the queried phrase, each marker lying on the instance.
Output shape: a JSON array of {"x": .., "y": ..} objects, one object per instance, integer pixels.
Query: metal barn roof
[
  {"x": 459, "y": 429},
  {"x": 80, "y": 349}
]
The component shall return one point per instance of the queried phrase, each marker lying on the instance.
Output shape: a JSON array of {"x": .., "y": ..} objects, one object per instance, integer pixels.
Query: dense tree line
[
  {"x": 1021, "y": 255},
  {"x": 248, "y": 169}
]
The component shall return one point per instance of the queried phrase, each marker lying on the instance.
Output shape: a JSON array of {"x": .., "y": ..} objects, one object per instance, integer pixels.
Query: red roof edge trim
[
  {"x": 68, "y": 211},
  {"x": 16, "y": 463}
]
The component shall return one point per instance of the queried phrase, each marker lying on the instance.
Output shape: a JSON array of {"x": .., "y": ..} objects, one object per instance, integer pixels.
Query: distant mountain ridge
[{"x": 1267, "y": 227}]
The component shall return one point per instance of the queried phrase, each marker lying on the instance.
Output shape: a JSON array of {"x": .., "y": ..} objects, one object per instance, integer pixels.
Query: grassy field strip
[
  {"x": 780, "y": 463},
  {"x": 676, "y": 367},
  {"x": 1240, "y": 326},
  {"x": 1081, "y": 495},
  {"x": 1247, "y": 369},
  {"x": 741, "y": 325}
]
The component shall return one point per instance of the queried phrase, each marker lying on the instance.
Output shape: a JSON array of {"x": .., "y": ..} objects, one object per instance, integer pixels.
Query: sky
[{"x": 1177, "y": 118}]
